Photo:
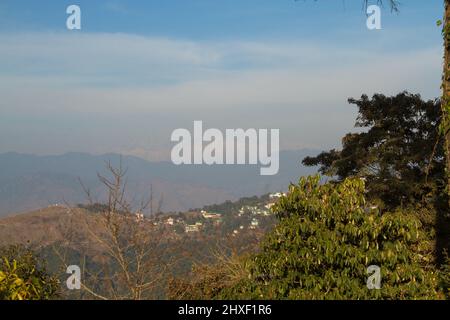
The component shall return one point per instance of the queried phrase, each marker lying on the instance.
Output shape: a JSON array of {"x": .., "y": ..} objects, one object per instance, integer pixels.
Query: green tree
[
  {"x": 445, "y": 101},
  {"x": 444, "y": 128},
  {"x": 326, "y": 239},
  {"x": 400, "y": 152}
]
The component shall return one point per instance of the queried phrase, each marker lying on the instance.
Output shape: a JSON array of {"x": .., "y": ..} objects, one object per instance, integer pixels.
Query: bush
[
  {"x": 207, "y": 281},
  {"x": 22, "y": 276},
  {"x": 445, "y": 277},
  {"x": 326, "y": 239}
]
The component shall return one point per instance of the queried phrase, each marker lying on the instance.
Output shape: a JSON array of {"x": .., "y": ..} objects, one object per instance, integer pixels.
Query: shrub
[
  {"x": 22, "y": 276},
  {"x": 207, "y": 281},
  {"x": 326, "y": 239}
]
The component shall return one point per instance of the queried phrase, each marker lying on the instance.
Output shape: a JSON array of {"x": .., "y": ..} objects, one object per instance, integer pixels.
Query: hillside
[
  {"x": 64, "y": 236},
  {"x": 52, "y": 224}
]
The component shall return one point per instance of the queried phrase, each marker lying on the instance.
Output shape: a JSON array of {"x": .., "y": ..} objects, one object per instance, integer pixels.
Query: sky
[{"x": 137, "y": 70}]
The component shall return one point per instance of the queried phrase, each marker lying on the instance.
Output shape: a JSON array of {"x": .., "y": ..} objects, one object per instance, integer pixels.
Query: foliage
[
  {"x": 326, "y": 239},
  {"x": 22, "y": 276},
  {"x": 400, "y": 154},
  {"x": 445, "y": 106},
  {"x": 445, "y": 277},
  {"x": 208, "y": 281},
  {"x": 230, "y": 208}
]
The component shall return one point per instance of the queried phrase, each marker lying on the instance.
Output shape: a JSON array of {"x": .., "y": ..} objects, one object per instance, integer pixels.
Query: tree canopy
[{"x": 399, "y": 151}]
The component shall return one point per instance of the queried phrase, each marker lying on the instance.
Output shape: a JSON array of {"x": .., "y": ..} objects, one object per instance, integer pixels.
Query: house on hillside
[
  {"x": 276, "y": 195},
  {"x": 210, "y": 215},
  {"x": 254, "y": 224},
  {"x": 193, "y": 227}
]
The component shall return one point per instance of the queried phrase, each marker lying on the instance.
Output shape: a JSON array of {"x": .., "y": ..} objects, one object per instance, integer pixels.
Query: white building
[
  {"x": 211, "y": 215},
  {"x": 193, "y": 227},
  {"x": 276, "y": 195},
  {"x": 254, "y": 224}
]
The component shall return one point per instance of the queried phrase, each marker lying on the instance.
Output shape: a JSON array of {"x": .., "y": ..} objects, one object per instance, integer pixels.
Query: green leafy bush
[
  {"x": 22, "y": 276},
  {"x": 445, "y": 277},
  {"x": 326, "y": 239}
]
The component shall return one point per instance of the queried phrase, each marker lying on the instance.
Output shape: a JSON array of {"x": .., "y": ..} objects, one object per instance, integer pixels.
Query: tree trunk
[
  {"x": 446, "y": 93},
  {"x": 443, "y": 204}
]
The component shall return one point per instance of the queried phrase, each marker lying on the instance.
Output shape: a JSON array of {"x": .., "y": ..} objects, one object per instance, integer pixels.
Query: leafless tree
[{"x": 133, "y": 253}]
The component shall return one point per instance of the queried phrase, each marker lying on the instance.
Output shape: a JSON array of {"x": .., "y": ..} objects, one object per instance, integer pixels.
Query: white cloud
[{"x": 299, "y": 88}]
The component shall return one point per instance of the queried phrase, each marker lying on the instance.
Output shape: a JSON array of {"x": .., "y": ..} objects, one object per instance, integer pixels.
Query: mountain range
[{"x": 29, "y": 182}]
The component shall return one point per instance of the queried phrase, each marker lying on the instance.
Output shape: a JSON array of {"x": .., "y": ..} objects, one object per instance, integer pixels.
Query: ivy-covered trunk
[
  {"x": 445, "y": 127},
  {"x": 443, "y": 214}
]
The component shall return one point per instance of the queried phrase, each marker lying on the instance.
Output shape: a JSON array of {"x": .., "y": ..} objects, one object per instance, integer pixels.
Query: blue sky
[
  {"x": 149, "y": 67},
  {"x": 212, "y": 19}
]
